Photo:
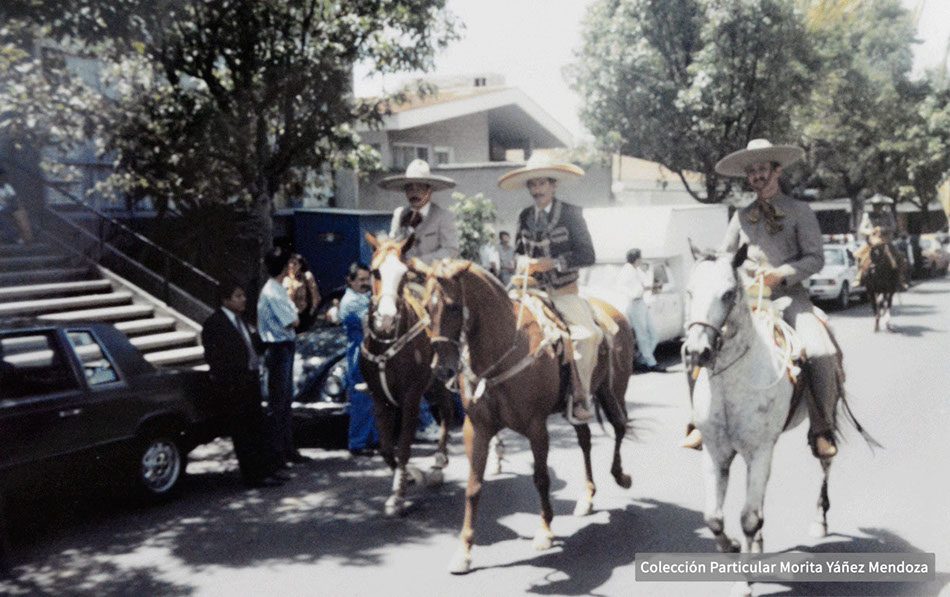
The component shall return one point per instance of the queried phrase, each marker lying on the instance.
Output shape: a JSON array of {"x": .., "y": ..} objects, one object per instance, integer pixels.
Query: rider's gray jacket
[{"x": 796, "y": 250}]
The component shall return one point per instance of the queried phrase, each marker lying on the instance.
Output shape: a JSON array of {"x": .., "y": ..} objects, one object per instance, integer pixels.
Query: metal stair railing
[{"x": 117, "y": 247}]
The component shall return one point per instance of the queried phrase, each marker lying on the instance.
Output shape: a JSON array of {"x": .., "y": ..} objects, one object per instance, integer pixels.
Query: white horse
[{"x": 742, "y": 397}]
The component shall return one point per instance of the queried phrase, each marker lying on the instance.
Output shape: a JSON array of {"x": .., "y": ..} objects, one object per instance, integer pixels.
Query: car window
[
  {"x": 834, "y": 257},
  {"x": 33, "y": 365},
  {"x": 660, "y": 275},
  {"x": 96, "y": 365}
]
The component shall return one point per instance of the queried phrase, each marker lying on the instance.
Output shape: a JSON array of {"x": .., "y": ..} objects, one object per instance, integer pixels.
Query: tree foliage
[
  {"x": 237, "y": 101},
  {"x": 685, "y": 82},
  {"x": 474, "y": 217}
]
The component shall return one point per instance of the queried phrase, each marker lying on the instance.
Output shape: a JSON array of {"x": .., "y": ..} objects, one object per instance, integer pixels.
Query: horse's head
[
  {"x": 715, "y": 288},
  {"x": 445, "y": 304},
  {"x": 389, "y": 273}
]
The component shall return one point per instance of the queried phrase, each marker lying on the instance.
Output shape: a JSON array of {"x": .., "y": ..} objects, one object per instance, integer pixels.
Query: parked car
[
  {"x": 665, "y": 303},
  {"x": 934, "y": 256},
  {"x": 78, "y": 401},
  {"x": 835, "y": 281},
  {"x": 321, "y": 404}
]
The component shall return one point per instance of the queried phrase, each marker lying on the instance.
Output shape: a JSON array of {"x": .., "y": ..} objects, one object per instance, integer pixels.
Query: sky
[{"x": 529, "y": 42}]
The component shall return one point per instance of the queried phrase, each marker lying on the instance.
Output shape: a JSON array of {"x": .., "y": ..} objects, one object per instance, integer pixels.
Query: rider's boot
[{"x": 580, "y": 409}]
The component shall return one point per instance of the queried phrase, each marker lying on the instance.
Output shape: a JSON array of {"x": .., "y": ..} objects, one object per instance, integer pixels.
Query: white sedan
[{"x": 835, "y": 281}]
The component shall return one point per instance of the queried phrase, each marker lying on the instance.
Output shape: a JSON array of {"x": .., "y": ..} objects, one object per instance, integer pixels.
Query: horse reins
[{"x": 398, "y": 343}]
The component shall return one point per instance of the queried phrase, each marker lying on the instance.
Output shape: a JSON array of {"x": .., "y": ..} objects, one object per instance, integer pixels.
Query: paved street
[{"x": 323, "y": 532}]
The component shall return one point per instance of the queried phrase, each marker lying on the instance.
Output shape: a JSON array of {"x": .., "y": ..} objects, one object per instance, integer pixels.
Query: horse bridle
[{"x": 719, "y": 331}]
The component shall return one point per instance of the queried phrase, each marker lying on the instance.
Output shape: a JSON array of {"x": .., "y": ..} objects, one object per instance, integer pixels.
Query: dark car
[
  {"x": 79, "y": 402},
  {"x": 321, "y": 404}
]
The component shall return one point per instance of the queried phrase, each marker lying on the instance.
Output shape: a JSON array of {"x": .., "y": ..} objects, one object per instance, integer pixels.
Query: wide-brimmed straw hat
[
  {"x": 757, "y": 151},
  {"x": 417, "y": 171},
  {"x": 540, "y": 165}
]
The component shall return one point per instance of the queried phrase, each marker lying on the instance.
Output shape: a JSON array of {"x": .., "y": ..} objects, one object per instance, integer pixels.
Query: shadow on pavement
[
  {"x": 877, "y": 541},
  {"x": 590, "y": 556}
]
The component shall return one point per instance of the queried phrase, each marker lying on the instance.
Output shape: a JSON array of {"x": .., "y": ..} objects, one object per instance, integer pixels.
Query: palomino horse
[
  {"x": 502, "y": 350},
  {"x": 395, "y": 361},
  {"x": 881, "y": 281},
  {"x": 742, "y": 396}
]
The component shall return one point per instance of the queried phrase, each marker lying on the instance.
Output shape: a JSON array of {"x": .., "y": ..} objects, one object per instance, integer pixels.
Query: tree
[
  {"x": 42, "y": 104},
  {"x": 474, "y": 216},
  {"x": 925, "y": 148},
  {"x": 685, "y": 82},
  {"x": 862, "y": 99},
  {"x": 237, "y": 101}
]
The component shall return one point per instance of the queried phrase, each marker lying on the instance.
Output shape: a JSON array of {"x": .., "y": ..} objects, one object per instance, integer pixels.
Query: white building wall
[{"x": 467, "y": 136}]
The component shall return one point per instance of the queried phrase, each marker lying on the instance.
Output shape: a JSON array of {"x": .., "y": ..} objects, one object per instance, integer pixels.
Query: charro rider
[
  {"x": 434, "y": 227},
  {"x": 878, "y": 226},
  {"x": 554, "y": 241},
  {"x": 435, "y": 237},
  {"x": 785, "y": 248}
]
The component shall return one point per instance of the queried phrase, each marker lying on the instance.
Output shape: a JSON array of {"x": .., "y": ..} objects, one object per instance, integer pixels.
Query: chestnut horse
[
  {"x": 395, "y": 362},
  {"x": 501, "y": 348}
]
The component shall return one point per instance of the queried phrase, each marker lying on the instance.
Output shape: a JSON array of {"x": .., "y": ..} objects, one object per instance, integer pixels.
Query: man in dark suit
[{"x": 234, "y": 365}]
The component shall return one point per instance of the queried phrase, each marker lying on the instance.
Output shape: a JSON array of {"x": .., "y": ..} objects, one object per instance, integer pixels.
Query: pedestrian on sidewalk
[
  {"x": 234, "y": 366},
  {"x": 635, "y": 280},
  {"x": 14, "y": 219},
  {"x": 354, "y": 307},
  {"x": 277, "y": 318}
]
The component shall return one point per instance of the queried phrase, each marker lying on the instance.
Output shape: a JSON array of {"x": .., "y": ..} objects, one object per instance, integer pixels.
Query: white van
[{"x": 663, "y": 234}]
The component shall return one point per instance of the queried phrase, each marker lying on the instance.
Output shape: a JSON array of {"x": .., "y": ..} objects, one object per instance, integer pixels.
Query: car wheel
[
  {"x": 844, "y": 299},
  {"x": 158, "y": 465}
]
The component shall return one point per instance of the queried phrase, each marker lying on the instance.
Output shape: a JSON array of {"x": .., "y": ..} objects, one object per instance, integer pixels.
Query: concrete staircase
[{"x": 38, "y": 281}]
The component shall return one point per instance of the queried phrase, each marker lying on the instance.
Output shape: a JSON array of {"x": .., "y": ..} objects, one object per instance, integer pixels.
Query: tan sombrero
[
  {"x": 541, "y": 165},
  {"x": 417, "y": 171},
  {"x": 758, "y": 150}
]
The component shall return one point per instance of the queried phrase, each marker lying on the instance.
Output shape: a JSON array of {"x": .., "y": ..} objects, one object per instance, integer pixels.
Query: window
[
  {"x": 443, "y": 155},
  {"x": 480, "y": 81},
  {"x": 95, "y": 364},
  {"x": 32, "y": 364},
  {"x": 834, "y": 257},
  {"x": 403, "y": 153}
]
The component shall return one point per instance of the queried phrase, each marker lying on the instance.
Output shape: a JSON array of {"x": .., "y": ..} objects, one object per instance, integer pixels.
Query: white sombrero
[
  {"x": 541, "y": 165},
  {"x": 417, "y": 171},
  {"x": 879, "y": 199},
  {"x": 758, "y": 150}
]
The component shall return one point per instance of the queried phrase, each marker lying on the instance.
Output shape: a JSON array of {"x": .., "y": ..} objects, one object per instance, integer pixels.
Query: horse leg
[
  {"x": 585, "y": 504},
  {"x": 476, "y": 447},
  {"x": 618, "y": 420},
  {"x": 396, "y": 504},
  {"x": 819, "y": 528},
  {"x": 538, "y": 437},
  {"x": 498, "y": 448},
  {"x": 875, "y": 306},
  {"x": 888, "y": 300},
  {"x": 446, "y": 408},
  {"x": 716, "y": 473},
  {"x": 758, "y": 467}
]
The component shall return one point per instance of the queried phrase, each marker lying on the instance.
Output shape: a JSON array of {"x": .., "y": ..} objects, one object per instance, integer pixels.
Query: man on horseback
[
  {"x": 435, "y": 238},
  {"x": 878, "y": 227},
  {"x": 434, "y": 227},
  {"x": 785, "y": 248},
  {"x": 554, "y": 243}
]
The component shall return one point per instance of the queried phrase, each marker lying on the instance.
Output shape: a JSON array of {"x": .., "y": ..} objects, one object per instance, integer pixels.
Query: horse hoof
[
  {"x": 416, "y": 475},
  {"x": 434, "y": 477},
  {"x": 732, "y": 547},
  {"x": 625, "y": 481},
  {"x": 395, "y": 506},
  {"x": 584, "y": 507},
  {"x": 543, "y": 540},
  {"x": 818, "y": 530},
  {"x": 461, "y": 563},
  {"x": 440, "y": 460}
]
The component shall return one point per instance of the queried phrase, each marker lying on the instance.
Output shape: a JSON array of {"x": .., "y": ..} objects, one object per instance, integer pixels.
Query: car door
[
  {"x": 41, "y": 400},
  {"x": 108, "y": 414}
]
